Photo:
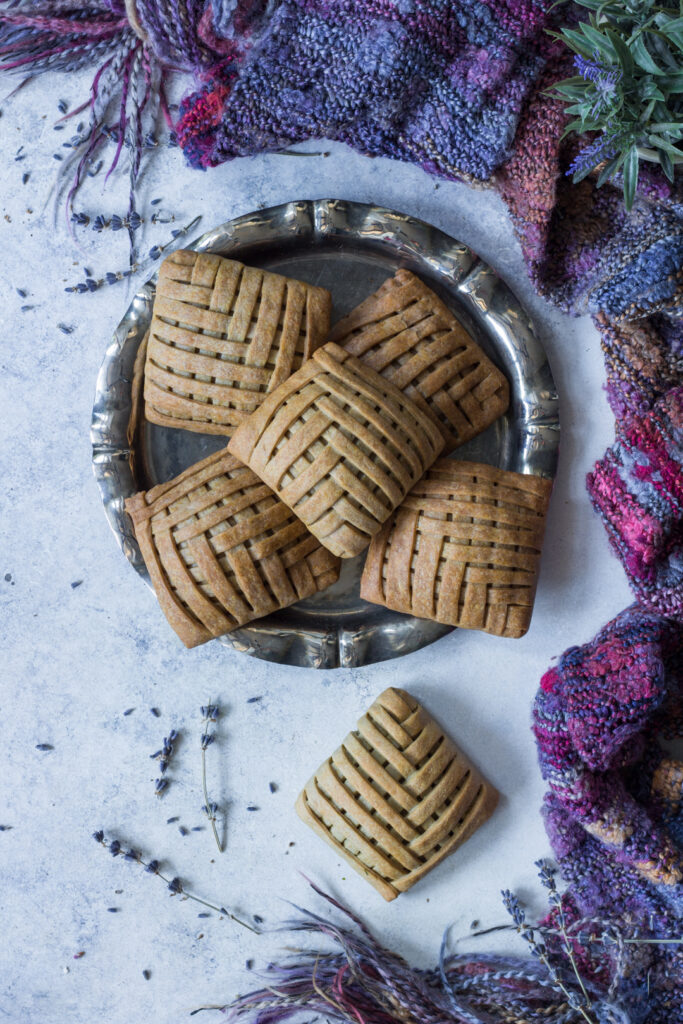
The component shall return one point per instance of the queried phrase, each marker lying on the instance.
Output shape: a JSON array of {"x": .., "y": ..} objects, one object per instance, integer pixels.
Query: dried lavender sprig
[
  {"x": 209, "y": 714},
  {"x": 547, "y": 877},
  {"x": 175, "y": 885},
  {"x": 111, "y": 277},
  {"x": 539, "y": 951}
]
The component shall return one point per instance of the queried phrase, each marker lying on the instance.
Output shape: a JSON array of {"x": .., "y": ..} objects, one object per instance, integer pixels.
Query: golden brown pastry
[
  {"x": 222, "y": 336},
  {"x": 406, "y": 333},
  {"x": 397, "y": 796},
  {"x": 340, "y": 445},
  {"x": 222, "y": 550},
  {"x": 463, "y": 549}
]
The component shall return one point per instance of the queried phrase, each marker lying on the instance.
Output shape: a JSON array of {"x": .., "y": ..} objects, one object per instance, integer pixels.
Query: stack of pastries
[{"x": 337, "y": 445}]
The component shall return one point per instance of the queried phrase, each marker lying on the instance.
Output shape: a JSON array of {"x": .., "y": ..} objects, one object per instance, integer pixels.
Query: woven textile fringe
[{"x": 362, "y": 982}]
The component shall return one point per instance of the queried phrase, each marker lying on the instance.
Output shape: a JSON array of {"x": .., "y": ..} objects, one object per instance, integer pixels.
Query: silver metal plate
[{"x": 349, "y": 248}]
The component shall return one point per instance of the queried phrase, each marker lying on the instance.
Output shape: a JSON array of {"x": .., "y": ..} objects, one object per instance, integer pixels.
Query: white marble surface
[{"x": 73, "y": 659}]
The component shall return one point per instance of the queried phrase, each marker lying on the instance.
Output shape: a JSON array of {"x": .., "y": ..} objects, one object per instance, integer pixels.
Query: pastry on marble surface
[
  {"x": 406, "y": 333},
  {"x": 397, "y": 796},
  {"x": 222, "y": 336},
  {"x": 222, "y": 550},
  {"x": 340, "y": 445},
  {"x": 463, "y": 549}
]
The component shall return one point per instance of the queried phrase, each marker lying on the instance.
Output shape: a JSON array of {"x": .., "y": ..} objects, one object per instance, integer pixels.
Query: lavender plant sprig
[
  {"x": 175, "y": 885},
  {"x": 210, "y": 714},
  {"x": 628, "y": 89}
]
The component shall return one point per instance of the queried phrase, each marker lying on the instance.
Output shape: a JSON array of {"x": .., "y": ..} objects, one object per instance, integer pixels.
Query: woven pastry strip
[
  {"x": 397, "y": 796},
  {"x": 406, "y": 333},
  {"x": 340, "y": 445},
  {"x": 222, "y": 550},
  {"x": 463, "y": 549},
  {"x": 222, "y": 336}
]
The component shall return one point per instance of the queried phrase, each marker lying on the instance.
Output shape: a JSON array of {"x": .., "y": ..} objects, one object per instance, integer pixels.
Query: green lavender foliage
[{"x": 629, "y": 88}]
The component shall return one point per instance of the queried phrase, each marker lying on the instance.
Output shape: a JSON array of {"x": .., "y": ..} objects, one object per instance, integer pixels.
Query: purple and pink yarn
[{"x": 461, "y": 88}]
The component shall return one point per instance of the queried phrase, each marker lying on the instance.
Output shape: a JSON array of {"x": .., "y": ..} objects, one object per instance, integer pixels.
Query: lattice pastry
[
  {"x": 397, "y": 796},
  {"x": 222, "y": 336},
  {"x": 463, "y": 549},
  {"x": 222, "y": 550},
  {"x": 340, "y": 445},
  {"x": 406, "y": 333}
]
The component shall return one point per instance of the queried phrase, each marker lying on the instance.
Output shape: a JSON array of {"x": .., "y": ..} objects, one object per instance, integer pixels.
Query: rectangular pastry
[
  {"x": 397, "y": 796},
  {"x": 340, "y": 445},
  {"x": 463, "y": 549},
  {"x": 406, "y": 333},
  {"x": 222, "y": 336},
  {"x": 222, "y": 550}
]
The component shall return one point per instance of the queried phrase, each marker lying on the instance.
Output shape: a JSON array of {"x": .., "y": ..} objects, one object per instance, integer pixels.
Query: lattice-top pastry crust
[
  {"x": 397, "y": 796},
  {"x": 222, "y": 336},
  {"x": 340, "y": 445},
  {"x": 222, "y": 550},
  {"x": 463, "y": 549},
  {"x": 406, "y": 333}
]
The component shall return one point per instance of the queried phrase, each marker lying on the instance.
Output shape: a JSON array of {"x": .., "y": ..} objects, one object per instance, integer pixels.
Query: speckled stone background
[{"x": 83, "y": 640}]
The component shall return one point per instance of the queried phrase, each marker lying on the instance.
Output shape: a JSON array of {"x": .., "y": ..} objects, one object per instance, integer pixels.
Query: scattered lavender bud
[
  {"x": 5, "y": 828},
  {"x": 19, "y": 157},
  {"x": 81, "y": 953},
  {"x": 146, "y": 974},
  {"x": 197, "y": 828},
  {"x": 160, "y": 785},
  {"x": 254, "y": 700},
  {"x": 44, "y": 746},
  {"x": 24, "y": 178},
  {"x": 257, "y": 918},
  {"x": 203, "y": 914},
  {"x": 272, "y": 786},
  {"x": 249, "y": 964},
  {"x": 155, "y": 712},
  {"x": 22, "y": 292},
  {"x": 62, "y": 106},
  {"x": 76, "y": 583},
  {"x": 155, "y": 252},
  {"x": 171, "y": 821},
  {"x": 57, "y": 156},
  {"x": 183, "y": 830},
  {"x": 128, "y": 711},
  {"x": 155, "y": 202},
  {"x": 252, "y": 807},
  {"x": 58, "y": 127},
  {"x": 96, "y": 169},
  {"x": 66, "y": 328},
  {"x": 173, "y": 735},
  {"x": 112, "y": 910}
]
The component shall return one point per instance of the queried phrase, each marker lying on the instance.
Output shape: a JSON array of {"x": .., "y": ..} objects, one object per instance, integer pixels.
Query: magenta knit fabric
[{"x": 637, "y": 488}]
